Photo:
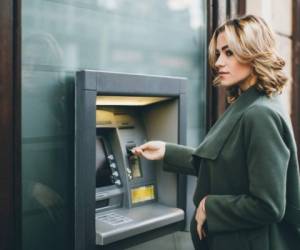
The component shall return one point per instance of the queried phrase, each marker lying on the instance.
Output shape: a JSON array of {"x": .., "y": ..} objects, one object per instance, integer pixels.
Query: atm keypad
[
  {"x": 113, "y": 166},
  {"x": 111, "y": 158},
  {"x": 118, "y": 182},
  {"x": 115, "y": 174}
]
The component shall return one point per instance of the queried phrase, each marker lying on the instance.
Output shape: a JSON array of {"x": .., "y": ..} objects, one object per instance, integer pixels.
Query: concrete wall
[{"x": 279, "y": 16}]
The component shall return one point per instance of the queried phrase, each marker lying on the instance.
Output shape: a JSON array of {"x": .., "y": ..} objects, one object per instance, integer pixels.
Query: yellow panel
[{"x": 141, "y": 194}]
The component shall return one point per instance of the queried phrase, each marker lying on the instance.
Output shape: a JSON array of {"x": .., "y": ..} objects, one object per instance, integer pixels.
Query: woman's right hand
[{"x": 152, "y": 150}]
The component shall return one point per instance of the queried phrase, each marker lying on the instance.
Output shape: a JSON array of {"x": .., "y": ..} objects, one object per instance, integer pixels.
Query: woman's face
[{"x": 230, "y": 71}]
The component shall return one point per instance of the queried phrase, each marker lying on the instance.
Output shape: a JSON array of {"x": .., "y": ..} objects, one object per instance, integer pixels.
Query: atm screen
[{"x": 103, "y": 171}]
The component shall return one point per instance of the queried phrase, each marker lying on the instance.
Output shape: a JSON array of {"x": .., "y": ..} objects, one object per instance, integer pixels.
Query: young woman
[{"x": 248, "y": 191}]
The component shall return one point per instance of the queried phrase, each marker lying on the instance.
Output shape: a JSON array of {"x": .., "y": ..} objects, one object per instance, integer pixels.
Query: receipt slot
[{"x": 120, "y": 199}]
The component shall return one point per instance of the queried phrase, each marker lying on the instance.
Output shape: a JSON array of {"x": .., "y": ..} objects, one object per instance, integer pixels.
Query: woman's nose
[{"x": 220, "y": 62}]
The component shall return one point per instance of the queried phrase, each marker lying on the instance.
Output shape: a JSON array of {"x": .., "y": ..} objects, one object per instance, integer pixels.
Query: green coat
[{"x": 247, "y": 165}]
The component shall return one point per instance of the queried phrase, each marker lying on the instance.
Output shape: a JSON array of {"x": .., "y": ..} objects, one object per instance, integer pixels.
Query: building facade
[{"x": 46, "y": 41}]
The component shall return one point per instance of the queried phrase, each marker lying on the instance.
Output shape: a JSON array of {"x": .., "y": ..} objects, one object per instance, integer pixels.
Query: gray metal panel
[
  {"x": 137, "y": 220},
  {"x": 182, "y": 130},
  {"x": 117, "y": 148},
  {"x": 88, "y": 115},
  {"x": 137, "y": 135},
  {"x": 79, "y": 192},
  {"x": 89, "y": 181},
  {"x": 182, "y": 121},
  {"x": 84, "y": 185},
  {"x": 84, "y": 165},
  {"x": 161, "y": 124},
  {"x": 124, "y": 84},
  {"x": 113, "y": 193},
  {"x": 87, "y": 79},
  {"x": 183, "y": 86}
]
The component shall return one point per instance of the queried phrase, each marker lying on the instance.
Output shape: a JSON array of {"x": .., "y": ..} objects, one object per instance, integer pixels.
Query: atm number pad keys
[{"x": 114, "y": 171}]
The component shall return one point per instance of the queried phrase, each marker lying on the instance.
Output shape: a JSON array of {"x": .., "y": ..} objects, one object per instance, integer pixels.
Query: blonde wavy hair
[{"x": 252, "y": 42}]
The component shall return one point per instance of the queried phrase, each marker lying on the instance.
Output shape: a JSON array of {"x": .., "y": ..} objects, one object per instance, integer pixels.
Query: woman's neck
[{"x": 247, "y": 83}]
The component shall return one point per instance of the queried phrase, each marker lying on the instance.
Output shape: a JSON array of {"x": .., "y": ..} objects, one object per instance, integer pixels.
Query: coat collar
[{"x": 217, "y": 135}]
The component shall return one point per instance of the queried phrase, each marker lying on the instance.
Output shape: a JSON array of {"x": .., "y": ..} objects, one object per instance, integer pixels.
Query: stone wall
[{"x": 279, "y": 16}]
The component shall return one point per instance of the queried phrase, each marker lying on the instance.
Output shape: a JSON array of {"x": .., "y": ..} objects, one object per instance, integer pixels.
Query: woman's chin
[{"x": 226, "y": 85}]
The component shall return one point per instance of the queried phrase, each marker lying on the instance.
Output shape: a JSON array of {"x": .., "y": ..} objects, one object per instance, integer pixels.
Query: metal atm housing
[{"x": 120, "y": 199}]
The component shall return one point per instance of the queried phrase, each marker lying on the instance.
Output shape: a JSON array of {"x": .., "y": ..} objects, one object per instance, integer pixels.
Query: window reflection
[
  {"x": 62, "y": 36},
  {"x": 193, "y": 6}
]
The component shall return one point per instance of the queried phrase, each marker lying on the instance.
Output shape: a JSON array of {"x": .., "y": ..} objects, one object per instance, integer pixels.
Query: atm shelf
[{"x": 122, "y": 223}]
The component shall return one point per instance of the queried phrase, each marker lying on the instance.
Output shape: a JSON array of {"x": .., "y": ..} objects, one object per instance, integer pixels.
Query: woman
[{"x": 248, "y": 191}]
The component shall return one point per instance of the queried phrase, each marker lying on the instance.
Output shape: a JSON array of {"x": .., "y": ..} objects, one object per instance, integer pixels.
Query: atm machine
[{"x": 121, "y": 199}]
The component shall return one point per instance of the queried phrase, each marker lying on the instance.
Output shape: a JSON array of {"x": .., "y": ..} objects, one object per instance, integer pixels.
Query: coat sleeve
[
  {"x": 267, "y": 158},
  {"x": 178, "y": 159}
]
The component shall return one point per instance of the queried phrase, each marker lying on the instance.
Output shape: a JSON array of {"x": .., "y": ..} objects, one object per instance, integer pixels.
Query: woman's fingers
[
  {"x": 200, "y": 218},
  {"x": 140, "y": 152},
  {"x": 152, "y": 150},
  {"x": 199, "y": 230},
  {"x": 140, "y": 149},
  {"x": 145, "y": 146},
  {"x": 149, "y": 155},
  {"x": 137, "y": 151}
]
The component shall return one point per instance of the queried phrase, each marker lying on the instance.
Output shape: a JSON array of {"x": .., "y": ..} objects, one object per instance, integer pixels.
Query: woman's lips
[{"x": 222, "y": 74}]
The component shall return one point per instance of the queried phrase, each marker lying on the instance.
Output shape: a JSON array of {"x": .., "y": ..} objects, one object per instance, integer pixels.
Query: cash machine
[{"x": 121, "y": 199}]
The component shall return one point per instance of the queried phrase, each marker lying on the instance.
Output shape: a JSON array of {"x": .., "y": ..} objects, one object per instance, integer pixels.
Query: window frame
[
  {"x": 10, "y": 109},
  {"x": 10, "y": 125},
  {"x": 295, "y": 115}
]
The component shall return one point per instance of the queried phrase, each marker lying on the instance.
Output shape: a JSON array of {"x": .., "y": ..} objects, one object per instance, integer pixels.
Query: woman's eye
[
  {"x": 229, "y": 53},
  {"x": 217, "y": 55}
]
